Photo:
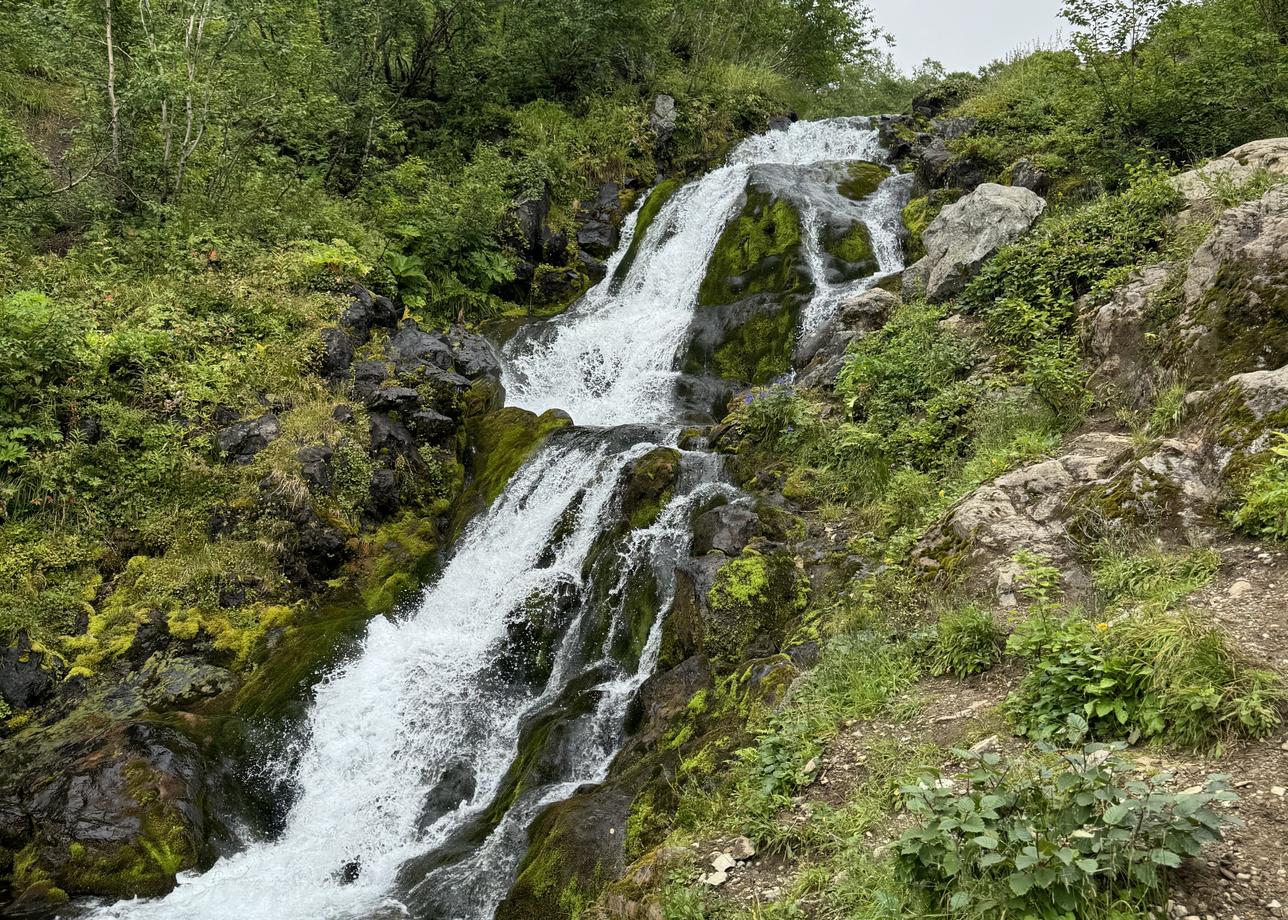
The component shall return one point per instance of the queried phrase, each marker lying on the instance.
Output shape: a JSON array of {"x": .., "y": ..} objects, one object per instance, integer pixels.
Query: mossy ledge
[{"x": 863, "y": 180}]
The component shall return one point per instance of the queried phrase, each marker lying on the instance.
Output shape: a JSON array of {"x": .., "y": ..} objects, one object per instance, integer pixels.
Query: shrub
[
  {"x": 967, "y": 642},
  {"x": 1264, "y": 512},
  {"x": 1026, "y": 292},
  {"x": 1052, "y": 839},
  {"x": 1148, "y": 675},
  {"x": 1153, "y": 579}
]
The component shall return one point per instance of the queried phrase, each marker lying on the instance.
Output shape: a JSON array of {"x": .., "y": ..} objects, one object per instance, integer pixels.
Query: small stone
[
  {"x": 723, "y": 863},
  {"x": 771, "y": 894},
  {"x": 988, "y": 745},
  {"x": 1279, "y": 791},
  {"x": 812, "y": 766},
  {"x": 1240, "y": 588},
  {"x": 742, "y": 849},
  {"x": 715, "y": 879}
]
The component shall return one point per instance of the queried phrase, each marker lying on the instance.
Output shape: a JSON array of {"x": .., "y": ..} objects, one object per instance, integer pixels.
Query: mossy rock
[
  {"x": 752, "y": 601},
  {"x": 503, "y": 441},
  {"x": 852, "y": 247},
  {"x": 760, "y": 350},
  {"x": 863, "y": 180},
  {"x": 648, "y": 484},
  {"x": 657, "y": 197},
  {"x": 760, "y": 252}
]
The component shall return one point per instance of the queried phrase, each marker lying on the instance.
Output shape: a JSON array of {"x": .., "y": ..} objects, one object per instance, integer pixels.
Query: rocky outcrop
[
  {"x": 969, "y": 231},
  {"x": 239, "y": 443},
  {"x": 1027, "y": 510},
  {"x": 1205, "y": 188},
  {"x": 821, "y": 354},
  {"x": 1235, "y": 308},
  {"x": 1118, "y": 341}
]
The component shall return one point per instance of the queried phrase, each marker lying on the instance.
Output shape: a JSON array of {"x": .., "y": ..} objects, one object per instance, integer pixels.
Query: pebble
[
  {"x": 742, "y": 849},
  {"x": 1240, "y": 588},
  {"x": 723, "y": 863},
  {"x": 715, "y": 879},
  {"x": 1279, "y": 791}
]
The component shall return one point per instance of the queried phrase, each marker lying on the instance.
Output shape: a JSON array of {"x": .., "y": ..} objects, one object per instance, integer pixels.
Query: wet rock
[
  {"x": 529, "y": 218},
  {"x": 24, "y": 681},
  {"x": 820, "y": 355},
  {"x": 647, "y": 484},
  {"x": 661, "y": 699},
  {"x": 314, "y": 552},
  {"x": 337, "y": 355},
  {"x": 240, "y": 443},
  {"x": 456, "y": 786},
  {"x": 969, "y": 231},
  {"x": 592, "y": 268},
  {"x": 389, "y": 438},
  {"x": 99, "y": 811},
  {"x": 727, "y": 529},
  {"x": 1116, "y": 338},
  {"x": 411, "y": 346},
  {"x": 175, "y": 682}
]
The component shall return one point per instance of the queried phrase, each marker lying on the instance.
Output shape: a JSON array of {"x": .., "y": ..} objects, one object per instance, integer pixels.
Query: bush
[
  {"x": 1264, "y": 512},
  {"x": 967, "y": 642},
  {"x": 1026, "y": 293},
  {"x": 1061, "y": 838},
  {"x": 40, "y": 341},
  {"x": 1166, "y": 676}
]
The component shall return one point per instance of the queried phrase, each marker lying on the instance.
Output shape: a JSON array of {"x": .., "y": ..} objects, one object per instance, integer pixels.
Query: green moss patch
[
  {"x": 760, "y": 350},
  {"x": 659, "y": 196},
  {"x": 853, "y": 247},
  {"x": 864, "y": 179},
  {"x": 759, "y": 253},
  {"x": 753, "y": 595}
]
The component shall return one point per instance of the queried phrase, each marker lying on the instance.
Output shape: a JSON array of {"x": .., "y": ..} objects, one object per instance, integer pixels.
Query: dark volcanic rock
[
  {"x": 727, "y": 529},
  {"x": 367, "y": 375},
  {"x": 389, "y": 438},
  {"x": 337, "y": 354},
  {"x": 242, "y": 441},
  {"x": 431, "y": 426},
  {"x": 404, "y": 400},
  {"x": 598, "y": 237},
  {"x": 475, "y": 355},
  {"x": 411, "y": 345},
  {"x": 315, "y": 466},
  {"x": 23, "y": 680}
]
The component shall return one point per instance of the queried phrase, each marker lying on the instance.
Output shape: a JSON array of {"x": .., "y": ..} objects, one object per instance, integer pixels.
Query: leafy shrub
[
  {"x": 1148, "y": 675},
  {"x": 905, "y": 385},
  {"x": 967, "y": 642},
  {"x": 1051, "y": 839},
  {"x": 1026, "y": 292},
  {"x": 39, "y": 344},
  {"x": 1264, "y": 512}
]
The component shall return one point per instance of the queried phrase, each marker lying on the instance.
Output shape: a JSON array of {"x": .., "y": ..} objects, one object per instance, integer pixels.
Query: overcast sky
[{"x": 965, "y": 34}]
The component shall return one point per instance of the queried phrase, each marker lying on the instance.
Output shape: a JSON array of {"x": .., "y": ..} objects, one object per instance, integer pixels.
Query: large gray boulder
[
  {"x": 968, "y": 232},
  {"x": 1203, "y": 188},
  {"x": 821, "y": 354}
]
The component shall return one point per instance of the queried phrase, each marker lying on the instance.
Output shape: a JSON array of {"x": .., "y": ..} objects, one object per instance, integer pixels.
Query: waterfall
[{"x": 403, "y": 804}]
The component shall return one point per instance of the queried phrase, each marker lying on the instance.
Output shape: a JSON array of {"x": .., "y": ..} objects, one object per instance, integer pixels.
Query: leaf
[
  {"x": 1021, "y": 883},
  {"x": 986, "y": 842},
  {"x": 959, "y": 901},
  {"x": 1115, "y": 814},
  {"x": 1089, "y": 866},
  {"x": 1165, "y": 858}
]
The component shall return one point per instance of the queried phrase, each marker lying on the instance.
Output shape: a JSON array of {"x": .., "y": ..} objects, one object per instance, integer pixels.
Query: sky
[{"x": 965, "y": 34}]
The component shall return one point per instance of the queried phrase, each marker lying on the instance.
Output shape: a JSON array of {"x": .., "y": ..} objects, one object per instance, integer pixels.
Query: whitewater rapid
[{"x": 421, "y": 694}]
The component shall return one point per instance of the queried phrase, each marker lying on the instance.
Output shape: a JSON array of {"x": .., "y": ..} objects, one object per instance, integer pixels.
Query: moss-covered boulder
[
  {"x": 863, "y": 179},
  {"x": 124, "y": 815},
  {"x": 657, "y": 197},
  {"x": 852, "y": 252},
  {"x": 503, "y": 441},
  {"x": 759, "y": 253},
  {"x": 648, "y": 484},
  {"x": 752, "y": 601}
]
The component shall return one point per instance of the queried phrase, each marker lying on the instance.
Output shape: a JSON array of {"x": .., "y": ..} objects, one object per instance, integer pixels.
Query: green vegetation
[
  {"x": 1264, "y": 511},
  {"x": 1075, "y": 835},
  {"x": 967, "y": 642},
  {"x": 863, "y": 179},
  {"x": 758, "y": 253}
]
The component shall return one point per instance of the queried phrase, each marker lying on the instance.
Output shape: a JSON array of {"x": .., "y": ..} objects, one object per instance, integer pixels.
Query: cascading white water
[{"x": 422, "y": 693}]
